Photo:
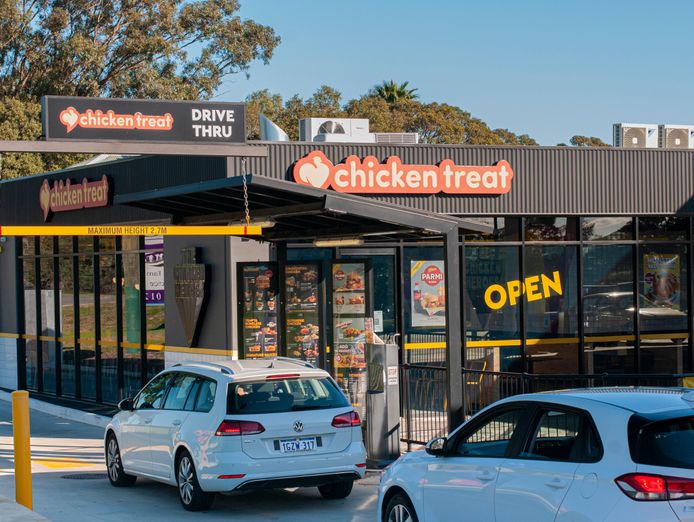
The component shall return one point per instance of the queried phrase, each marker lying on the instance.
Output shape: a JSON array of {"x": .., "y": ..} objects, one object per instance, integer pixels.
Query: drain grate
[{"x": 85, "y": 476}]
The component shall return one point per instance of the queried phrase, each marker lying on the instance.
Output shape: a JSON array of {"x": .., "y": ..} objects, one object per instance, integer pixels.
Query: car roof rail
[
  {"x": 220, "y": 367},
  {"x": 298, "y": 362}
]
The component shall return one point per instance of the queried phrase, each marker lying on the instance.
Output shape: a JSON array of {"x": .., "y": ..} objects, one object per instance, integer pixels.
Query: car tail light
[
  {"x": 347, "y": 420},
  {"x": 280, "y": 376},
  {"x": 642, "y": 486},
  {"x": 237, "y": 476},
  {"x": 231, "y": 428}
]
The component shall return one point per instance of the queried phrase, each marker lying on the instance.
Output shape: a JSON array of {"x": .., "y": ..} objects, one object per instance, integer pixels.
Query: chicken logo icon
[
  {"x": 314, "y": 170},
  {"x": 45, "y": 199}
]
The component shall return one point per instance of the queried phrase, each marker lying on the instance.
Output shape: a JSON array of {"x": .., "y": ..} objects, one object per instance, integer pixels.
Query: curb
[
  {"x": 13, "y": 512},
  {"x": 84, "y": 417}
]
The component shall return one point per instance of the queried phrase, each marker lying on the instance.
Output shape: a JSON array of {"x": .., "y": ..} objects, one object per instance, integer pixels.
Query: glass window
[
  {"x": 284, "y": 395},
  {"x": 663, "y": 228},
  {"x": 504, "y": 229},
  {"x": 309, "y": 254},
  {"x": 87, "y": 327},
  {"x": 48, "y": 326},
  {"x": 67, "y": 320},
  {"x": 205, "y": 397},
  {"x": 425, "y": 298},
  {"x": 556, "y": 437},
  {"x": 663, "y": 307},
  {"x": 550, "y": 229},
  {"x": 107, "y": 318},
  {"x": 29, "y": 276},
  {"x": 154, "y": 302},
  {"x": 130, "y": 260},
  {"x": 604, "y": 228},
  {"x": 550, "y": 293},
  {"x": 153, "y": 394},
  {"x": 492, "y": 311},
  {"x": 178, "y": 394},
  {"x": 608, "y": 308},
  {"x": 492, "y": 438},
  {"x": 668, "y": 443},
  {"x": 383, "y": 272}
]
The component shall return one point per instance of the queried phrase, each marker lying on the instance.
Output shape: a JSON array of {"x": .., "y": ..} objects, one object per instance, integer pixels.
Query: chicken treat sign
[{"x": 370, "y": 176}]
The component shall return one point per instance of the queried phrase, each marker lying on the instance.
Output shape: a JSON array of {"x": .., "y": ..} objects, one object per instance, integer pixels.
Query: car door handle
[
  {"x": 557, "y": 483},
  {"x": 176, "y": 422},
  {"x": 148, "y": 421},
  {"x": 485, "y": 476}
]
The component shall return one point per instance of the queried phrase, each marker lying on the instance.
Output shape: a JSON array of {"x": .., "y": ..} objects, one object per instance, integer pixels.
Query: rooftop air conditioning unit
[
  {"x": 397, "y": 138},
  {"x": 340, "y": 130},
  {"x": 676, "y": 136},
  {"x": 635, "y": 135}
]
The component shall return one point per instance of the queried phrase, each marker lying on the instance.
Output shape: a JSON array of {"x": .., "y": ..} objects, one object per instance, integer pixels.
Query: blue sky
[{"x": 551, "y": 69}]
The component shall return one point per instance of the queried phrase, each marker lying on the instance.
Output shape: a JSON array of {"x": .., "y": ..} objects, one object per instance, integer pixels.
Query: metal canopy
[{"x": 300, "y": 213}]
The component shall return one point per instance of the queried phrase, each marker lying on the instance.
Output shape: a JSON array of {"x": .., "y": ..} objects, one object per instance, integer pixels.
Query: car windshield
[
  {"x": 284, "y": 395},
  {"x": 667, "y": 443}
]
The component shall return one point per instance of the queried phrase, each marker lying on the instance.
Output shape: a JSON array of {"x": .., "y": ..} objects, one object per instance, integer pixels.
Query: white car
[
  {"x": 622, "y": 454},
  {"x": 240, "y": 425}
]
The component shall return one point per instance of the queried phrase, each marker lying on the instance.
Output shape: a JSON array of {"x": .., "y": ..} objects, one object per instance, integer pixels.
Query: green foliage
[
  {"x": 435, "y": 122},
  {"x": 587, "y": 141},
  {"x": 166, "y": 49},
  {"x": 393, "y": 92}
]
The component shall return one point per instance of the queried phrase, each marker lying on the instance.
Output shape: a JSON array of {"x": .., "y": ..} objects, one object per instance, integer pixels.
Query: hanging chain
[{"x": 245, "y": 191}]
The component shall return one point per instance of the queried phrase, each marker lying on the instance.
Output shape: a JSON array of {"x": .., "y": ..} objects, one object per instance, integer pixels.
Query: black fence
[{"x": 424, "y": 404}]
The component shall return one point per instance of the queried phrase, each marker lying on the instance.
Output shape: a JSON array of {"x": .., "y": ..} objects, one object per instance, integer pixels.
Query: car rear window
[
  {"x": 284, "y": 395},
  {"x": 667, "y": 443}
]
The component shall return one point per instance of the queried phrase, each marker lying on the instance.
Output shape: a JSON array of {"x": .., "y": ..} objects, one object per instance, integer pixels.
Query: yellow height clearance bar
[{"x": 131, "y": 230}]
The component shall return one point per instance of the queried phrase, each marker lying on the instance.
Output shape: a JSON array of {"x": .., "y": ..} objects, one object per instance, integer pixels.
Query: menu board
[
  {"x": 259, "y": 310},
  {"x": 349, "y": 304},
  {"x": 302, "y": 312}
]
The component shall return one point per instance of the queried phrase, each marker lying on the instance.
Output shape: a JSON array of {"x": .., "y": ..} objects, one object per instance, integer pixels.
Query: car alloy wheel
[
  {"x": 113, "y": 460},
  {"x": 114, "y": 465},
  {"x": 185, "y": 480},
  {"x": 399, "y": 513}
]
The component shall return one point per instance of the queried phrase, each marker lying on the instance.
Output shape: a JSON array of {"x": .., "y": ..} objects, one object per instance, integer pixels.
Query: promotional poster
[{"x": 428, "y": 294}]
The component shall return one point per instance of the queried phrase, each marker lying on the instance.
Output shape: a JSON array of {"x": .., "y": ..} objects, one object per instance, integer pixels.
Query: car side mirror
[
  {"x": 126, "y": 405},
  {"x": 436, "y": 447}
]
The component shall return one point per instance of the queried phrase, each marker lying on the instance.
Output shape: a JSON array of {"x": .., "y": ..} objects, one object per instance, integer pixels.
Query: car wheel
[
  {"x": 400, "y": 509},
  {"x": 193, "y": 498},
  {"x": 114, "y": 465},
  {"x": 336, "y": 490}
]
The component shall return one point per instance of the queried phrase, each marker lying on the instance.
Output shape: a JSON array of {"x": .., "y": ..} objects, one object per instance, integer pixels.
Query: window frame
[
  {"x": 587, "y": 420},
  {"x": 167, "y": 375},
  {"x": 474, "y": 424}
]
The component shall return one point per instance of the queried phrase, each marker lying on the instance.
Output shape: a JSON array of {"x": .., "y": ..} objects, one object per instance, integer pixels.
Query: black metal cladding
[
  {"x": 19, "y": 199},
  {"x": 547, "y": 180}
]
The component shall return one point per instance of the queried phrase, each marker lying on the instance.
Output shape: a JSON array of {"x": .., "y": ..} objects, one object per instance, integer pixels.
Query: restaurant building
[{"x": 568, "y": 261}]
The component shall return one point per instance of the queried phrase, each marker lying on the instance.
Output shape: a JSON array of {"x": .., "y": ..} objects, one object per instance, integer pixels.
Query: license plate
[{"x": 295, "y": 445}]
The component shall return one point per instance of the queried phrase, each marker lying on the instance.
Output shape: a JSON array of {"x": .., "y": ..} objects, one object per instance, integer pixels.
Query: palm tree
[{"x": 392, "y": 92}]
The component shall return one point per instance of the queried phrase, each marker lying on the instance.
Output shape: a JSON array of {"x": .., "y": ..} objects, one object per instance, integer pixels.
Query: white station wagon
[{"x": 239, "y": 425}]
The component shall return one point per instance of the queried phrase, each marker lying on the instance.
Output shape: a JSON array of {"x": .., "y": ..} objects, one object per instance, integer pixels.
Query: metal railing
[{"x": 424, "y": 406}]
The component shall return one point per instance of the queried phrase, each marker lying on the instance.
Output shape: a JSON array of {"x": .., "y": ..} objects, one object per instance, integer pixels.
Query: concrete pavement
[{"x": 70, "y": 484}]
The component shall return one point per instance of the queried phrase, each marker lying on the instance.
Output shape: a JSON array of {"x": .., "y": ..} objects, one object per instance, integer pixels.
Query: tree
[
  {"x": 392, "y": 92},
  {"x": 172, "y": 49},
  {"x": 435, "y": 122},
  {"x": 325, "y": 102},
  {"x": 587, "y": 141},
  {"x": 166, "y": 49}
]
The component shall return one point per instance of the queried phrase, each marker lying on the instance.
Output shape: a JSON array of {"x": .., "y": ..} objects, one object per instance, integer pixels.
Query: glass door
[
  {"x": 303, "y": 306},
  {"x": 257, "y": 300},
  {"x": 351, "y": 306}
]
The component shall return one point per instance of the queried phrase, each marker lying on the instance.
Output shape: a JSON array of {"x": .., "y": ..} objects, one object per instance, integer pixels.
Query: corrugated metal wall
[{"x": 550, "y": 181}]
